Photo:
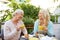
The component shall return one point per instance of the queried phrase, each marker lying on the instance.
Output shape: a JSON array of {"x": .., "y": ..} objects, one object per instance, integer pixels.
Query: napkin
[{"x": 45, "y": 38}]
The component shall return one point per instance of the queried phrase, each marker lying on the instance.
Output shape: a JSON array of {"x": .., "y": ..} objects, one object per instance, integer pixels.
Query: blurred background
[{"x": 31, "y": 8}]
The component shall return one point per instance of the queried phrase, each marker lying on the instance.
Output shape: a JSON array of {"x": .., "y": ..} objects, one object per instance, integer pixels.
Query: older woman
[
  {"x": 12, "y": 28},
  {"x": 43, "y": 24}
]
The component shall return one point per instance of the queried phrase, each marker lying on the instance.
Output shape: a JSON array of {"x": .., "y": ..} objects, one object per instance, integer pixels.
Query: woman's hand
[
  {"x": 36, "y": 34},
  {"x": 26, "y": 36},
  {"x": 18, "y": 28},
  {"x": 45, "y": 29},
  {"x": 22, "y": 27}
]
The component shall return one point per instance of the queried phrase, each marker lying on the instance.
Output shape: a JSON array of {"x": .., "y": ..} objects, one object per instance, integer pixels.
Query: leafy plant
[
  {"x": 7, "y": 16},
  {"x": 30, "y": 10},
  {"x": 28, "y": 20}
]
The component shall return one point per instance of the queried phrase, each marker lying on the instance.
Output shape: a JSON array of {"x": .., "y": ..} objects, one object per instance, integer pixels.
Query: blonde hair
[
  {"x": 45, "y": 13},
  {"x": 46, "y": 16}
]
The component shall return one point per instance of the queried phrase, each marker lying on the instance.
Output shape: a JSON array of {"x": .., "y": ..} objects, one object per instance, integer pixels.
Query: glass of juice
[
  {"x": 40, "y": 28},
  {"x": 22, "y": 26}
]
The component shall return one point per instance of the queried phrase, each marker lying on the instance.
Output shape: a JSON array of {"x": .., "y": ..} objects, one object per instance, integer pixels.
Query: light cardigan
[
  {"x": 10, "y": 32},
  {"x": 50, "y": 27}
]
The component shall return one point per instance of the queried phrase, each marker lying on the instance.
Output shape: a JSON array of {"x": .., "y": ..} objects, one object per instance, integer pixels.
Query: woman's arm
[
  {"x": 35, "y": 27},
  {"x": 25, "y": 33},
  {"x": 50, "y": 29}
]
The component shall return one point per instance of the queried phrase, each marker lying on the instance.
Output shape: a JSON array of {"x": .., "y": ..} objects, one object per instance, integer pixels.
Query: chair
[{"x": 2, "y": 34}]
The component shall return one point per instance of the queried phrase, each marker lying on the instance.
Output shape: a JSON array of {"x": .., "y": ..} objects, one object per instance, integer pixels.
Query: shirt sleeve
[
  {"x": 25, "y": 31},
  {"x": 50, "y": 28},
  {"x": 8, "y": 33},
  {"x": 35, "y": 27}
]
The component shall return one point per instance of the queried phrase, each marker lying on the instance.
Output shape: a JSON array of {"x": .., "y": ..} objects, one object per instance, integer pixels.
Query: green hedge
[{"x": 53, "y": 18}]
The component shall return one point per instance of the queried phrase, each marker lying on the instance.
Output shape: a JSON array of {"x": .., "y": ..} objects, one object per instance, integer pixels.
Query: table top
[{"x": 31, "y": 37}]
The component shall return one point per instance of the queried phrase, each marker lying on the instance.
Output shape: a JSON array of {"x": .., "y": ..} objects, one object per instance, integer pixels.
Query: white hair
[{"x": 18, "y": 11}]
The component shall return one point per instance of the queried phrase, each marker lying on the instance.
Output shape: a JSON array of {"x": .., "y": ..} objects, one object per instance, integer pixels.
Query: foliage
[
  {"x": 27, "y": 0},
  {"x": 53, "y": 18},
  {"x": 30, "y": 30},
  {"x": 6, "y": 17},
  {"x": 21, "y": 0},
  {"x": 14, "y": 5},
  {"x": 28, "y": 20},
  {"x": 30, "y": 11}
]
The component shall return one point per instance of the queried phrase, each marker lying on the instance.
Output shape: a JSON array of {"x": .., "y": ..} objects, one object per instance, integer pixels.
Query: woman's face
[
  {"x": 19, "y": 16},
  {"x": 41, "y": 16}
]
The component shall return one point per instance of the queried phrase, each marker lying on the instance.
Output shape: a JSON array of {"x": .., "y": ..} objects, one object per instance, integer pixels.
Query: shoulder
[
  {"x": 50, "y": 22},
  {"x": 7, "y": 22},
  {"x": 37, "y": 21}
]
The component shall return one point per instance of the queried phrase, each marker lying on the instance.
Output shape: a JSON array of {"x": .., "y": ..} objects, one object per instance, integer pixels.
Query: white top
[{"x": 10, "y": 32}]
